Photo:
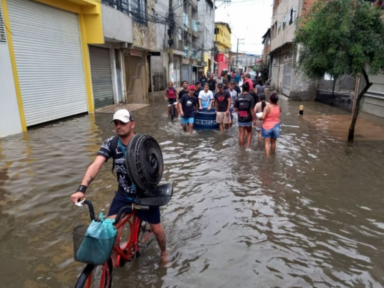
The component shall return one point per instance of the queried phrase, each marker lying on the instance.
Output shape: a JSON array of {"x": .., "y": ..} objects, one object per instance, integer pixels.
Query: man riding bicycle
[{"x": 114, "y": 147}]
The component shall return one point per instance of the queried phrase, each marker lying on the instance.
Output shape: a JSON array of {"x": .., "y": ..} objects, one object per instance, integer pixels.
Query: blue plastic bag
[{"x": 98, "y": 242}]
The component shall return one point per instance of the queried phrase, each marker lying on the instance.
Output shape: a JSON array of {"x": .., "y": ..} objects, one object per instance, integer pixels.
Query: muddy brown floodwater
[{"x": 310, "y": 216}]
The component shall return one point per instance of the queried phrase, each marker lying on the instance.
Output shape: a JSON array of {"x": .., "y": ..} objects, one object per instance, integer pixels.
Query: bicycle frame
[
  {"x": 132, "y": 246},
  {"x": 102, "y": 280}
]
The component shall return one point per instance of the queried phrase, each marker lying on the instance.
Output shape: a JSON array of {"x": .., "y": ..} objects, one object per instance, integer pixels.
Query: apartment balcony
[
  {"x": 185, "y": 21},
  {"x": 186, "y": 52},
  {"x": 117, "y": 23},
  {"x": 202, "y": 63},
  {"x": 194, "y": 28},
  {"x": 194, "y": 54},
  {"x": 193, "y": 4}
]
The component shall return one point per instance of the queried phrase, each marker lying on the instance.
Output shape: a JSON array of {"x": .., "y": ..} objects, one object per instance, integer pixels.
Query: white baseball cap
[{"x": 123, "y": 115}]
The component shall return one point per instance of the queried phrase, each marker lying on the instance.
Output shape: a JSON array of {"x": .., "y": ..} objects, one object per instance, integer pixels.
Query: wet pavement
[{"x": 309, "y": 216}]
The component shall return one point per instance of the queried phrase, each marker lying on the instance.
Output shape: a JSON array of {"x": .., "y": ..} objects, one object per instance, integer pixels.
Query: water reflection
[{"x": 309, "y": 216}]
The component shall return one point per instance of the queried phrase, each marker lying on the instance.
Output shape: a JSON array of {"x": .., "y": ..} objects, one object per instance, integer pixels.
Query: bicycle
[
  {"x": 145, "y": 173},
  {"x": 173, "y": 112},
  {"x": 138, "y": 240}
]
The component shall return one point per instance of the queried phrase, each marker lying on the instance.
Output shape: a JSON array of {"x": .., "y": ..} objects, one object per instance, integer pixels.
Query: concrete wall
[
  {"x": 343, "y": 83},
  {"x": 161, "y": 8},
  {"x": 144, "y": 36},
  {"x": 287, "y": 33},
  {"x": 9, "y": 109},
  {"x": 374, "y": 98},
  {"x": 117, "y": 26},
  {"x": 159, "y": 64},
  {"x": 246, "y": 60},
  {"x": 279, "y": 59},
  {"x": 302, "y": 88},
  {"x": 206, "y": 19}
]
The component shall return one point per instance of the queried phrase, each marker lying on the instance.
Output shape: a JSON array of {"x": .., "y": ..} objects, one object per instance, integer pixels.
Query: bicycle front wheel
[{"x": 96, "y": 276}]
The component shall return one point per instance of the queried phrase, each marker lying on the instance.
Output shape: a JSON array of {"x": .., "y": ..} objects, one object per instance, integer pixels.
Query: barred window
[{"x": 139, "y": 11}]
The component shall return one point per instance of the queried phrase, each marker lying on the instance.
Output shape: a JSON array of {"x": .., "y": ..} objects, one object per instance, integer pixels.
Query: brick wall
[
  {"x": 266, "y": 51},
  {"x": 307, "y": 4}
]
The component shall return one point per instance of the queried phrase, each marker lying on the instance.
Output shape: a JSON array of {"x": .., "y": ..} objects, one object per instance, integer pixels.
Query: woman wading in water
[{"x": 271, "y": 124}]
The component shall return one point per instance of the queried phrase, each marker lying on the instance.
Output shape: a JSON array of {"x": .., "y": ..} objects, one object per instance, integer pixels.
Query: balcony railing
[
  {"x": 194, "y": 25},
  {"x": 186, "y": 20},
  {"x": 137, "y": 9},
  {"x": 194, "y": 54}
]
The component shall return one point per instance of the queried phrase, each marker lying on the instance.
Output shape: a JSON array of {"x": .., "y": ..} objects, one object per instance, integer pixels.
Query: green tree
[{"x": 341, "y": 37}]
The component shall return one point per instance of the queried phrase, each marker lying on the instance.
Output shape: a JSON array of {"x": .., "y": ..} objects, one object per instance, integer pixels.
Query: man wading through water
[
  {"x": 222, "y": 106},
  {"x": 188, "y": 107},
  {"x": 114, "y": 147},
  {"x": 244, "y": 104},
  {"x": 212, "y": 84},
  {"x": 182, "y": 92}
]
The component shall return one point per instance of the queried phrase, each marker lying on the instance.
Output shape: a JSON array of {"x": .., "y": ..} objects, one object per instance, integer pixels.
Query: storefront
[
  {"x": 47, "y": 49},
  {"x": 50, "y": 66},
  {"x": 222, "y": 61},
  {"x": 101, "y": 76},
  {"x": 136, "y": 76}
]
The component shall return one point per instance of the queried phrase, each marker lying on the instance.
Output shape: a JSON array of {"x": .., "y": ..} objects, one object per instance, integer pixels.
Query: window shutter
[{"x": 2, "y": 27}]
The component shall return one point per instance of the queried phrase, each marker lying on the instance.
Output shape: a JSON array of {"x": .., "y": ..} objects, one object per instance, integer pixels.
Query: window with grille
[
  {"x": 292, "y": 15},
  {"x": 2, "y": 27},
  {"x": 139, "y": 11}
]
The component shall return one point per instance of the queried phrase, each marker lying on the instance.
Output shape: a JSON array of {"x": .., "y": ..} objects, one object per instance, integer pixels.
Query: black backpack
[{"x": 113, "y": 146}]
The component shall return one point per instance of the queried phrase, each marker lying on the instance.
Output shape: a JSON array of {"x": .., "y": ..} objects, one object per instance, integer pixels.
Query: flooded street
[{"x": 312, "y": 215}]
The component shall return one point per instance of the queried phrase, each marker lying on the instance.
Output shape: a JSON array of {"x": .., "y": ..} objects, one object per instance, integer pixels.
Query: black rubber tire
[
  {"x": 82, "y": 280},
  {"x": 144, "y": 161}
]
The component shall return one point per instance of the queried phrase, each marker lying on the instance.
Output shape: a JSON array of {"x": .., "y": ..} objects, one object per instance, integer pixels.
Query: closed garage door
[
  {"x": 186, "y": 74},
  {"x": 287, "y": 79},
  {"x": 101, "y": 76},
  {"x": 49, "y": 61}
]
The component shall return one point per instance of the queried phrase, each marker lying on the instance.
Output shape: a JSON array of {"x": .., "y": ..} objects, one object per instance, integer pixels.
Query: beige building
[{"x": 284, "y": 24}]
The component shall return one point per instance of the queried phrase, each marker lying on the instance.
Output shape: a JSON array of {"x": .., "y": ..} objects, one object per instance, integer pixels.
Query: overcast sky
[{"x": 248, "y": 19}]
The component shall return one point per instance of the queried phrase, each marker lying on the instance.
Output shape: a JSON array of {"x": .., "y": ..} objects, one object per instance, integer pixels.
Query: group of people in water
[{"x": 247, "y": 104}]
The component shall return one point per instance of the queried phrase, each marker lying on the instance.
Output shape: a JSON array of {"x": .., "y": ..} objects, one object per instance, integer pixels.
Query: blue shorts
[
  {"x": 244, "y": 124},
  {"x": 271, "y": 133},
  {"x": 185, "y": 121},
  {"x": 151, "y": 216}
]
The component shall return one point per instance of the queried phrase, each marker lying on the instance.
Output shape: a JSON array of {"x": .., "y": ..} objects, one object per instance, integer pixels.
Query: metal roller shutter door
[
  {"x": 101, "y": 76},
  {"x": 49, "y": 61},
  {"x": 185, "y": 73},
  {"x": 287, "y": 79}
]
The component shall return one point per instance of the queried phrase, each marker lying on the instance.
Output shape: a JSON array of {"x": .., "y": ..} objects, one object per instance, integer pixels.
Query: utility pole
[
  {"x": 237, "y": 53},
  {"x": 171, "y": 30}
]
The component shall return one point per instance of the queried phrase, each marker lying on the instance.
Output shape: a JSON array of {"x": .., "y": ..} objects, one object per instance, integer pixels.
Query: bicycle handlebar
[
  {"x": 90, "y": 207},
  {"x": 118, "y": 217}
]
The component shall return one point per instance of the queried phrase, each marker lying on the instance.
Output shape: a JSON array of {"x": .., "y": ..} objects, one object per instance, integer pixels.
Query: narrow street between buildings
[{"x": 311, "y": 215}]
